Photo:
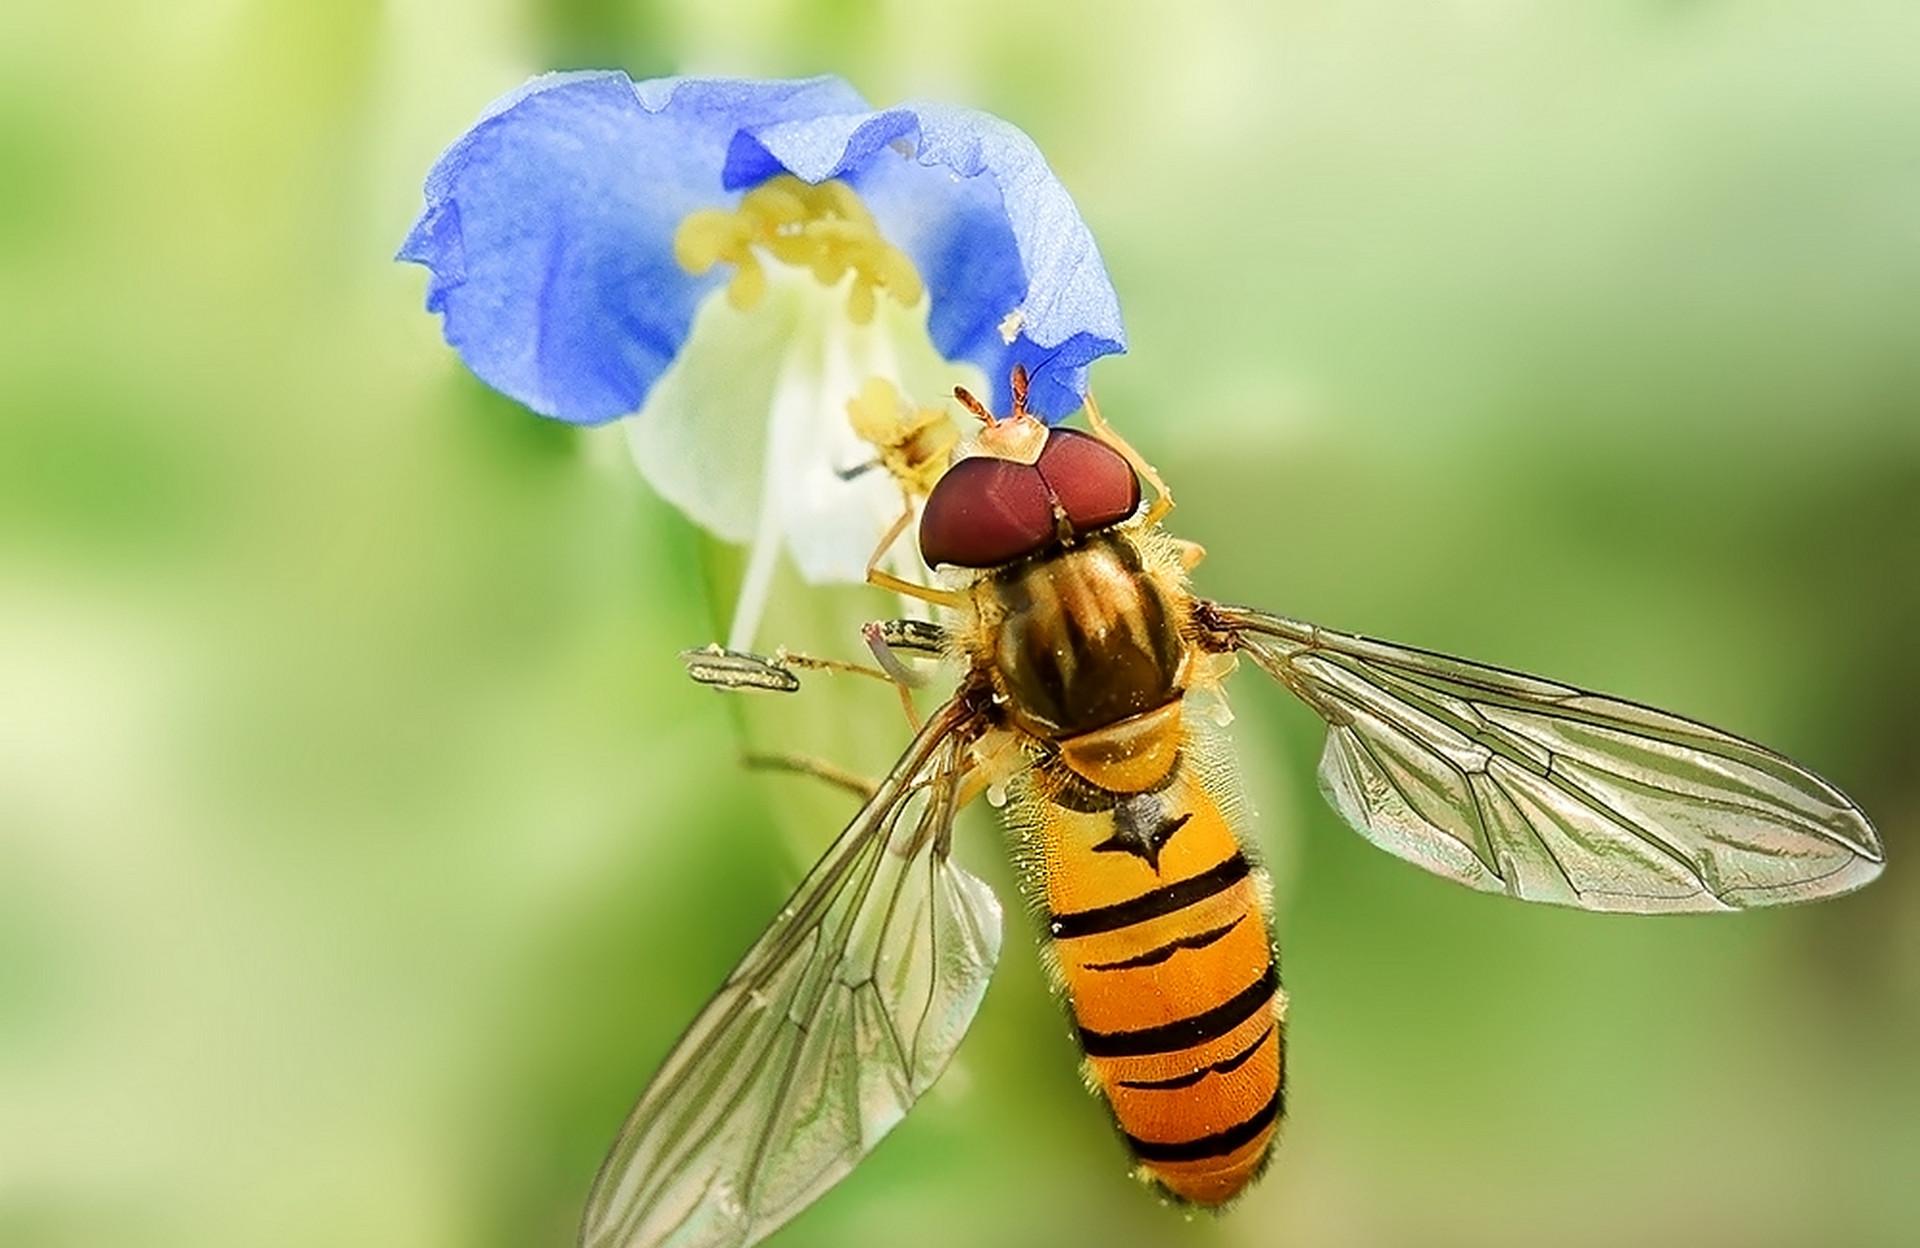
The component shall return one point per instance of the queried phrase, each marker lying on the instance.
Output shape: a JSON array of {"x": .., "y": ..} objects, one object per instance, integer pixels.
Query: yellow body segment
[
  {"x": 1157, "y": 917},
  {"x": 1164, "y": 951}
]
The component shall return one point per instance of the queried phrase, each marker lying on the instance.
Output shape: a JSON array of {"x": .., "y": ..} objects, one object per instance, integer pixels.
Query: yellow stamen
[
  {"x": 914, "y": 444},
  {"x": 824, "y": 229}
]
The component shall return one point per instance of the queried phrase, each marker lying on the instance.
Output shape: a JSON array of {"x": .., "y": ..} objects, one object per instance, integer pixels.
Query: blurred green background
[{"x": 362, "y": 848}]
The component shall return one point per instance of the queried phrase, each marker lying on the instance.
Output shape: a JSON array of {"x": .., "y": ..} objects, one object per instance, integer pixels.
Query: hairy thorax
[{"x": 1085, "y": 648}]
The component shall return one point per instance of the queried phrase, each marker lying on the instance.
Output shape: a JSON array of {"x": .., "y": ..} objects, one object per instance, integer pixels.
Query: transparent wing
[
  {"x": 1549, "y": 793},
  {"x": 838, "y": 1018}
]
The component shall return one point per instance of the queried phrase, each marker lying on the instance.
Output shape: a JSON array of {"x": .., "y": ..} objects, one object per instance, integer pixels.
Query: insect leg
[
  {"x": 887, "y": 651},
  {"x": 719, "y": 668},
  {"x": 1162, "y": 496},
  {"x": 891, "y": 536},
  {"x": 950, "y": 599},
  {"x": 921, "y": 639},
  {"x": 787, "y": 658},
  {"x": 904, "y": 678},
  {"x": 818, "y": 768},
  {"x": 737, "y": 669},
  {"x": 888, "y": 581},
  {"x": 734, "y": 670}
]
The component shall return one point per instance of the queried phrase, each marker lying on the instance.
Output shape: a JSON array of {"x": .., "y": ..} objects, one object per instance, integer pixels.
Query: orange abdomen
[{"x": 1159, "y": 923}]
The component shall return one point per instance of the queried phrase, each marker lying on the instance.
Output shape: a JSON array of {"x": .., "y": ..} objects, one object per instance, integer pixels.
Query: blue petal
[
  {"x": 549, "y": 228},
  {"x": 969, "y": 197}
]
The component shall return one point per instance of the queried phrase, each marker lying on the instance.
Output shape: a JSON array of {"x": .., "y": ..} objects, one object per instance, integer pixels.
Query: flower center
[{"x": 822, "y": 228}]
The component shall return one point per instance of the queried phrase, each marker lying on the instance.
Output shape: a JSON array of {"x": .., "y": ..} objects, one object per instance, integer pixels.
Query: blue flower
[{"x": 733, "y": 263}]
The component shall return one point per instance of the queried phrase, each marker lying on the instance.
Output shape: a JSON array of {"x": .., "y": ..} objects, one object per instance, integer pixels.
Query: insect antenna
[{"x": 975, "y": 406}]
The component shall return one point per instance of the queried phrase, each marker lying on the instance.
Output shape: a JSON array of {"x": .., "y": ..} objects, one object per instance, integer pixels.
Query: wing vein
[
  {"x": 765, "y": 1100},
  {"x": 1620, "y": 805}
]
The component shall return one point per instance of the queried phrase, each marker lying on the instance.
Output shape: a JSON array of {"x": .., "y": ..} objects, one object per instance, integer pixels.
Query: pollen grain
[
  {"x": 913, "y": 444},
  {"x": 824, "y": 229}
]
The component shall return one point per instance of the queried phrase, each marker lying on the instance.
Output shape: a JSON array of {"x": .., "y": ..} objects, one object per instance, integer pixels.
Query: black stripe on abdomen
[
  {"x": 1224, "y": 1066},
  {"x": 1153, "y": 903},
  {"x": 1154, "y": 957},
  {"x": 1219, "y": 1144},
  {"x": 1186, "y": 1033}
]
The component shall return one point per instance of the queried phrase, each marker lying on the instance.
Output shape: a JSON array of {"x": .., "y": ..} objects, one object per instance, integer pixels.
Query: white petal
[
  {"x": 701, "y": 439},
  {"x": 832, "y": 523},
  {"x": 748, "y": 431}
]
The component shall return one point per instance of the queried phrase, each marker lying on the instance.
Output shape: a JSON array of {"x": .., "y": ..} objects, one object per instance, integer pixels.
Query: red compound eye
[
  {"x": 985, "y": 512},
  {"x": 1092, "y": 482}
]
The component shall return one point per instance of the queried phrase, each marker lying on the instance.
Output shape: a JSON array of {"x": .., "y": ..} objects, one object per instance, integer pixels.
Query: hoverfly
[{"x": 1089, "y": 668}]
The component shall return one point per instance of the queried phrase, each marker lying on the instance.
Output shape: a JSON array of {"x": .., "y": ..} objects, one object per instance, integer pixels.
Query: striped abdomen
[{"x": 1160, "y": 928}]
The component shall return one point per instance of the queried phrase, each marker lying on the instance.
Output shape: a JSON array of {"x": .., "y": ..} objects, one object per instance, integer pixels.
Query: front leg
[
  {"x": 719, "y": 668},
  {"x": 1162, "y": 496}
]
